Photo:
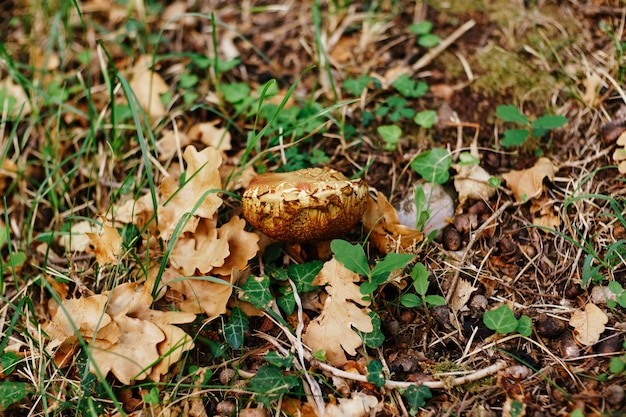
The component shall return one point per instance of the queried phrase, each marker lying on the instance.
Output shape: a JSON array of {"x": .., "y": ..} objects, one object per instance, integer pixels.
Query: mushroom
[{"x": 304, "y": 206}]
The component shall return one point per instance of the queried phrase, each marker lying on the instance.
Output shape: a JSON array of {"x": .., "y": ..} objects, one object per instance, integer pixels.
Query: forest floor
[{"x": 131, "y": 283}]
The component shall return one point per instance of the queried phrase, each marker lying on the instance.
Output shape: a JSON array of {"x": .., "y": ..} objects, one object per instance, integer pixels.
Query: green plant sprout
[
  {"x": 503, "y": 321},
  {"x": 516, "y": 137},
  {"x": 425, "y": 118},
  {"x": 425, "y": 38},
  {"x": 353, "y": 258},
  {"x": 395, "y": 109},
  {"x": 419, "y": 275},
  {"x": 391, "y": 136}
]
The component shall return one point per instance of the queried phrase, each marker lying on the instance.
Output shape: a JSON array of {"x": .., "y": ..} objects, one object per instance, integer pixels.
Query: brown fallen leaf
[
  {"x": 170, "y": 143},
  {"x": 211, "y": 135},
  {"x": 343, "y": 310},
  {"x": 588, "y": 324},
  {"x": 528, "y": 183},
  {"x": 107, "y": 245},
  {"x": 387, "y": 234},
  {"x": 472, "y": 182},
  {"x": 148, "y": 86},
  {"x": 202, "y": 176}
]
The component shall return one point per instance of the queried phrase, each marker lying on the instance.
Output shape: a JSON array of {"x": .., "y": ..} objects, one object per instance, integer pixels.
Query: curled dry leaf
[
  {"x": 211, "y": 135},
  {"x": 387, "y": 234},
  {"x": 472, "y": 182},
  {"x": 107, "y": 245},
  {"x": 209, "y": 295},
  {"x": 588, "y": 324},
  {"x": 343, "y": 309},
  {"x": 544, "y": 214},
  {"x": 127, "y": 337},
  {"x": 619, "y": 155},
  {"x": 203, "y": 250},
  {"x": 202, "y": 176},
  {"x": 528, "y": 183},
  {"x": 358, "y": 405}
]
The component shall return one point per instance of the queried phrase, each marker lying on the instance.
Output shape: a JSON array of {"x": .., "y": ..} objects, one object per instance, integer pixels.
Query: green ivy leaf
[
  {"x": 12, "y": 392},
  {"x": 375, "y": 373},
  {"x": 303, "y": 275},
  {"x": 281, "y": 361},
  {"x": 426, "y": 118},
  {"x": 433, "y": 165},
  {"x": 375, "y": 338},
  {"x": 287, "y": 300},
  {"x": 500, "y": 320},
  {"x": 256, "y": 290},
  {"x": 188, "y": 81},
  {"x": 409, "y": 88},
  {"x": 270, "y": 383},
  {"x": 514, "y": 137},
  {"x": 9, "y": 361},
  {"x": 417, "y": 396},
  {"x": 390, "y": 134},
  {"x": 235, "y": 327},
  {"x": 356, "y": 86},
  {"x": 525, "y": 326},
  {"x": 351, "y": 256},
  {"x": 235, "y": 92},
  {"x": 510, "y": 113}
]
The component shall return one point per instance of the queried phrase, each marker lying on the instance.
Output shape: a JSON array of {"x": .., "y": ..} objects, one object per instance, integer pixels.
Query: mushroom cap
[{"x": 307, "y": 205}]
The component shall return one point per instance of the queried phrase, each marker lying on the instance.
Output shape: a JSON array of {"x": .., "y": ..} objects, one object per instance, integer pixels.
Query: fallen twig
[
  {"x": 443, "y": 45},
  {"x": 475, "y": 376}
]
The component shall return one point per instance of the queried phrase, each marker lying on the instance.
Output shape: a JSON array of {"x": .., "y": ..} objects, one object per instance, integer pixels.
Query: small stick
[
  {"x": 475, "y": 376},
  {"x": 443, "y": 45}
]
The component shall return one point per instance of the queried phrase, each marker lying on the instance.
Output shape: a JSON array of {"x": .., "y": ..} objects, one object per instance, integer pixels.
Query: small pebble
[
  {"x": 569, "y": 347},
  {"x": 226, "y": 376},
  {"x": 479, "y": 303},
  {"x": 614, "y": 395},
  {"x": 549, "y": 327},
  {"x": 225, "y": 408},
  {"x": 451, "y": 239}
]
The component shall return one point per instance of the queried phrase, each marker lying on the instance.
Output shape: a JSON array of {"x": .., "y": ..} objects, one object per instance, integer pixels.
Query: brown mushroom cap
[{"x": 308, "y": 205}]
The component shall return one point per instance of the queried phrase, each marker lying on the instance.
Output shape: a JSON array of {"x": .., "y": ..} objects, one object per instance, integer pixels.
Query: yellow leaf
[
  {"x": 343, "y": 309},
  {"x": 588, "y": 324},
  {"x": 528, "y": 183}
]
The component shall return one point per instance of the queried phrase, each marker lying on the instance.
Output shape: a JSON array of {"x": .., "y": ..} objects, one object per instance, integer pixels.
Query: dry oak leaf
[
  {"x": 332, "y": 331},
  {"x": 588, "y": 324},
  {"x": 206, "y": 295},
  {"x": 242, "y": 246},
  {"x": 170, "y": 143},
  {"x": 358, "y": 405},
  {"x": 127, "y": 338},
  {"x": 211, "y": 135},
  {"x": 472, "y": 182},
  {"x": 203, "y": 250},
  {"x": 528, "y": 183},
  {"x": 148, "y": 86},
  {"x": 76, "y": 240},
  {"x": 137, "y": 212},
  {"x": 387, "y": 234},
  {"x": 619, "y": 155},
  {"x": 202, "y": 182},
  {"x": 107, "y": 245}
]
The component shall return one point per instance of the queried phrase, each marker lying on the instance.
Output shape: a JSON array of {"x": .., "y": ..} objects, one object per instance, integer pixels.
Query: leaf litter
[{"x": 157, "y": 305}]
